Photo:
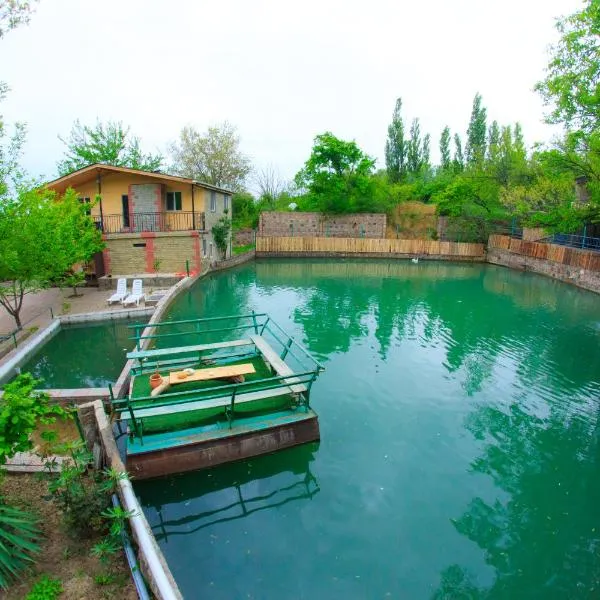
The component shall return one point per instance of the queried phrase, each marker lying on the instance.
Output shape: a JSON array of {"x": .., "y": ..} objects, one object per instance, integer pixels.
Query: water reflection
[
  {"x": 541, "y": 533},
  {"x": 194, "y": 501}
]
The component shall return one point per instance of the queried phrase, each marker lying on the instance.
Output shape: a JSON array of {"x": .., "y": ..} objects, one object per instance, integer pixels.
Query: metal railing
[
  {"x": 583, "y": 242},
  {"x": 138, "y": 222}
]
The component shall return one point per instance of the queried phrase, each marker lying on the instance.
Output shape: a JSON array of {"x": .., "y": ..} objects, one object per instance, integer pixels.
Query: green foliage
[
  {"x": 82, "y": 497},
  {"x": 476, "y": 133},
  {"x": 337, "y": 177},
  {"x": 445, "y": 158},
  {"x": 109, "y": 144},
  {"x": 572, "y": 83},
  {"x": 395, "y": 146},
  {"x": 40, "y": 241},
  {"x": 245, "y": 210},
  {"x": 21, "y": 408},
  {"x": 220, "y": 232},
  {"x": 213, "y": 157},
  {"x": 458, "y": 163},
  {"x": 19, "y": 544},
  {"x": 47, "y": 588}
]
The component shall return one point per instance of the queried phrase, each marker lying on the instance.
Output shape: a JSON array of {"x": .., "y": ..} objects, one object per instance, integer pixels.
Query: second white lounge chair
[
  {"x": 121, "y": 292},
  {"x": 136, "y": 295}
]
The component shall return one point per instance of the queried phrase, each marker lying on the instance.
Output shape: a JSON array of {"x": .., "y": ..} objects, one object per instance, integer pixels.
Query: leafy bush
[
  {"x": 21, "y": 408},
  {"x": 220, "y": 231},
  {"x": 47, "y": 588}
]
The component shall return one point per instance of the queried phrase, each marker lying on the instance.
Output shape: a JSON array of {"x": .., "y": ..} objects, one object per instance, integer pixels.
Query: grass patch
[{"x": 242, "y": 249}]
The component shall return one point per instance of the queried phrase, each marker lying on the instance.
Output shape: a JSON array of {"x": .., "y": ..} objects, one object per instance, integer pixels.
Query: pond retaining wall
[{"x": 571, "y": 265}]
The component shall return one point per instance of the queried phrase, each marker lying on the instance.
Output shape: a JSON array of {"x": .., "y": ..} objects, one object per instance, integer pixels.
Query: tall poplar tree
[
  {"x": 475, "y": 150},
  {"x": 459, "y": 161},
  {"x": 445, "y": 155},
  {"x": 395, "y": 146},
  {"x": 426, "y": 154},
  {"x": 414, "y": 155},
  {"x": 493, "y": 142}
]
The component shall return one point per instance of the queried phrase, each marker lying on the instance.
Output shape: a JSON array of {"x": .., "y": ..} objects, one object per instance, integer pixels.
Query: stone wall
[
  {"x": 129, "y": 254},
  {"x": 243, "y": 237},
  {"x": 312, "y": 224},
  {"x": 584, "y": 278},
  {"x": 533, "y": 234}
]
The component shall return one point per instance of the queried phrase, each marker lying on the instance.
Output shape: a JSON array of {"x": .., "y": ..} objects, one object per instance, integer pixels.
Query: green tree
[
  {"x": 337, "y": 177},
  {"x": 572, "y": 83},
  {"x": 459, "y": 161},
  {"x": 40, "y": 241},
  {"x": 414, "y": 153},
  {"x": 396, "y": 146},
  {"x": 109, "y": 144},
  {"x": 493, "y": 149},
  {"x": 475, "y": 150},
  {"x": 220, "y": 232},
  {"x": 213, "y": 157},
  {"x": 445, "y": 155},
  {"x": 426, "y": 155}
]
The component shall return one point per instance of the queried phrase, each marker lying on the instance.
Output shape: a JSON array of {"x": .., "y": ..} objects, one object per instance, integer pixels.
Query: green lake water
[
  {"x": 459, "y": 457},
  {"x": 83, "y": 355}
]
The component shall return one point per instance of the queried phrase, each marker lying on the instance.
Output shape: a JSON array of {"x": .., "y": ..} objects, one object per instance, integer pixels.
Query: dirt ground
[{"x": 83, "y": 577}]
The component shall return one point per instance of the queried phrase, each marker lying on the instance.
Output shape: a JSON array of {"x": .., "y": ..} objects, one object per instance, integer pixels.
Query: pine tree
[
  {"x": 459, "y": 162},
  {"x": 445, "y": 158},
  {"x": 475, "y": 150},
  {"x": 414, "y": 150},
  {"x": 395, "y": 146}
]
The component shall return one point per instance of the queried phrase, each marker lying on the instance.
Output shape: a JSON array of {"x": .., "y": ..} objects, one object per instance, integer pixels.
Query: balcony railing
[{"x": 159, "y": 221}]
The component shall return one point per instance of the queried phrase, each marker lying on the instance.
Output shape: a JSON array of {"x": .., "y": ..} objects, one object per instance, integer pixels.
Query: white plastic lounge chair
[
  {"x": 136, "y": 294},
  {"x": 121, "y": 292}
]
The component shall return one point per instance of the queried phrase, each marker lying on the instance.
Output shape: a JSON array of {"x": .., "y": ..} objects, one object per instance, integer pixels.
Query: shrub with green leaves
[
  {"x": 47, "y": 588},
  {"x": 22, "y": 407}
]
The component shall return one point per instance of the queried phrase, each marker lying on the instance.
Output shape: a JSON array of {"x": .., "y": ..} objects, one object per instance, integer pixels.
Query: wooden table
[{"x": 212, "y": 373}]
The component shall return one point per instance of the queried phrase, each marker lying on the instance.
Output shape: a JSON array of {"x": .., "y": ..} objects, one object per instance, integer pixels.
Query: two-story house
[{"x": 151, "y": 222}]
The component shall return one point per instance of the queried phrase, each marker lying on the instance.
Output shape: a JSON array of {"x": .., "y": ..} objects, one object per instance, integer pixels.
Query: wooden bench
[
  {"x": 142, "y": 355},
  {"x": 277, "y": 363},
  {"x": 219, "y": 402}
]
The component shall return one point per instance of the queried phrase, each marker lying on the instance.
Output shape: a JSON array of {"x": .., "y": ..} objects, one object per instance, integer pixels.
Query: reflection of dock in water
[{"x": 247, "y": 500}]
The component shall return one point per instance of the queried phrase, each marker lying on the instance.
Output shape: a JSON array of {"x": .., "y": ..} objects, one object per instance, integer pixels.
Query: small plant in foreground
[
  {"x": 47, "y": 588},
  {"x": 19, "y": 536}
]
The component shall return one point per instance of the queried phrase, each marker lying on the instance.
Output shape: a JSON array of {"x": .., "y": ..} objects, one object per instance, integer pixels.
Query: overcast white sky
[{"x": 281, "y": 71}]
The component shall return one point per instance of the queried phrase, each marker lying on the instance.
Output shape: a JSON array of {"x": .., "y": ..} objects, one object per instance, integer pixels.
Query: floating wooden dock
[{"x": 217, "y": 401}]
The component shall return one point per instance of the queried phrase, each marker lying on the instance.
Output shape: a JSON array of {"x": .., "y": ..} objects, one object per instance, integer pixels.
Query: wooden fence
[
  {"x": 573, "y": 257},
  {"x": 368, "y": 246}
]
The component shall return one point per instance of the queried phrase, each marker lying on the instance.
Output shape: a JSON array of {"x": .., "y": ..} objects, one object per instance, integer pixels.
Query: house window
[
  {"x": 213, "y": 201},
  {"x": 173, "y": 200},
  {"x": 204, "y": 247},
  {"x": 88, "y": 210},
  {"x": 226, "y": 202},
  {"x": 211, "y": 249}
]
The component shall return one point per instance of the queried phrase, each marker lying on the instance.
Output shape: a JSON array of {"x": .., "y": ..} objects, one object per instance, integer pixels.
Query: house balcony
[{"x": 151, "y": 221}]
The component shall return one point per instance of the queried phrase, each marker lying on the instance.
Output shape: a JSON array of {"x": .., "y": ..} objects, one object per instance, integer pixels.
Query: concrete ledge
[
  {"x": 149, "y": 279},
  {"x": 233, "y": 261},
  {"x": 107, "y": 315},
  {"x": 21, "y": 355}
]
